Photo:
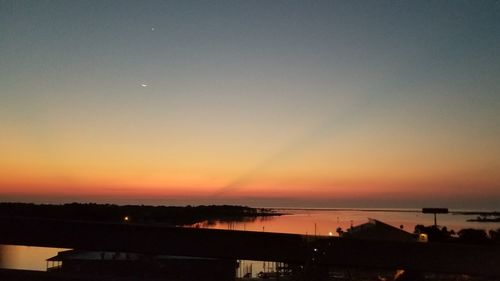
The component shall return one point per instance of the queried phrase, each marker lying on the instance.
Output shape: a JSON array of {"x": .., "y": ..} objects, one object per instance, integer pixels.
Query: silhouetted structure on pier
[{"x": 120, "y": 264}]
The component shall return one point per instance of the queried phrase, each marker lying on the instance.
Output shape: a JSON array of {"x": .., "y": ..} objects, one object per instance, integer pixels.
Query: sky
[{"x": 267, "y": 103}]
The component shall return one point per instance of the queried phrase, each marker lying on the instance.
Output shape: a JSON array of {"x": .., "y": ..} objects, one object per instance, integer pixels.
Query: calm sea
[{"x": 324, "y": 221}]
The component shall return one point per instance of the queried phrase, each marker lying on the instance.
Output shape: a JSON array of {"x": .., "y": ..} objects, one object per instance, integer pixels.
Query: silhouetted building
[
  {"x": 377, "y": 230},
  {"x": 118, "y": 264}
]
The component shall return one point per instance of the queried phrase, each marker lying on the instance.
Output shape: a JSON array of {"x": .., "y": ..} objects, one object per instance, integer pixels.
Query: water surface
[
  {"x": 326, "y": 221},
  {"x": 25, "y": 257}
]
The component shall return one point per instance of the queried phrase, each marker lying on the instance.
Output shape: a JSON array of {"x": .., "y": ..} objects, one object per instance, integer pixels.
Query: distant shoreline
[
  {"x": 386, "y": 210},
  {"x": 345, "y": 209}
]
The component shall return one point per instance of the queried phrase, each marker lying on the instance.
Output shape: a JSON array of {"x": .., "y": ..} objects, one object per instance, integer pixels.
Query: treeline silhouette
[
  {"x": 467, "y": 235},
  {"x": 168, "y": 215}
]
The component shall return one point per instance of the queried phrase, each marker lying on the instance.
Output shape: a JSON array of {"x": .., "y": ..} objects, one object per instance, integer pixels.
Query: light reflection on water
[
  {"x": 322, "y": 222},
  {"x": 24, "y": 257}
]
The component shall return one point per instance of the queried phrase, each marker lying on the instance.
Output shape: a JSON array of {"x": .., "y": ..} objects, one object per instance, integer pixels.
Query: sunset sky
[{"x": 269, "y": 103}]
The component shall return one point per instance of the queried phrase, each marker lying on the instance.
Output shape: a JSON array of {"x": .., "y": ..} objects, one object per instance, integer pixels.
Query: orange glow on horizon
[{"x": 323, "y": 171}]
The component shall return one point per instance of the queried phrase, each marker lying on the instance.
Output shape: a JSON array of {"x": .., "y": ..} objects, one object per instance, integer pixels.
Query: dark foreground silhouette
[{"x": 466, "y": 235}]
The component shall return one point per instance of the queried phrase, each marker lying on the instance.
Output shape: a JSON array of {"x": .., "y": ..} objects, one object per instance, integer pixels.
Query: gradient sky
[{"x": 317, "y": 103}]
